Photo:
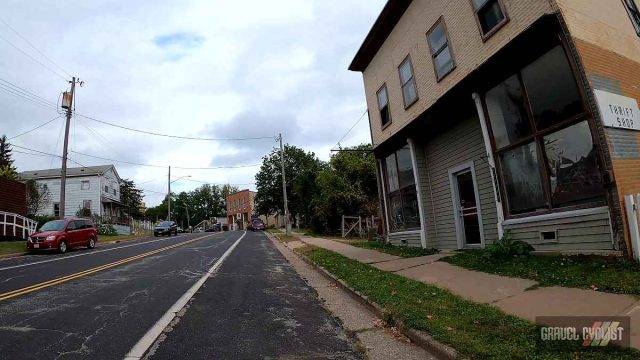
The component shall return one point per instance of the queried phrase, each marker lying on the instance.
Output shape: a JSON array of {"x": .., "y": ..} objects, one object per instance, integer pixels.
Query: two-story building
[
  {"x": 496, "y": 115},
  {"x": 96, "y": 188},
  {"x": 240, "y": 208}
]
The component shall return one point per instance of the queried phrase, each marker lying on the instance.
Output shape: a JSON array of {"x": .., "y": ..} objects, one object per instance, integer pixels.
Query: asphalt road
[{"x": 100, "y": 303}]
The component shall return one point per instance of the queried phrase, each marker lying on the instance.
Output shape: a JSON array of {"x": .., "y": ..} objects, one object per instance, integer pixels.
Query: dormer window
[{"x": 490, "y": 15}]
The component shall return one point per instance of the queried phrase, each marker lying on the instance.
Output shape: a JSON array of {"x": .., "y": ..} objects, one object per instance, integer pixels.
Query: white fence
[{"x": 16, "y": 225}]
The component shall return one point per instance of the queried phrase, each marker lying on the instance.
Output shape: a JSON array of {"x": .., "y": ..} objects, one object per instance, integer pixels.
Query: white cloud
[{"x": 195, "y": 67}]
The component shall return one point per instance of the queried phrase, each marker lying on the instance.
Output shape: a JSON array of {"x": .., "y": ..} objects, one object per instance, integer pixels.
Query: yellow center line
[{"x": 63, "y": 279}]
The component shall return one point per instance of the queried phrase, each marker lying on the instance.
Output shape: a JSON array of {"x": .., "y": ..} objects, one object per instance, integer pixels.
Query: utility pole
[
  {"x": 169, "y": 195},
  {"x": 287, "y": 224},
  {"x": 63, "y": 175},
  {"x": 188, "y": 221}
]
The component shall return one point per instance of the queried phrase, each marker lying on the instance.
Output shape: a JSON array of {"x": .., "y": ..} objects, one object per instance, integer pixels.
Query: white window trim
[{"x": 416, "y": 178}]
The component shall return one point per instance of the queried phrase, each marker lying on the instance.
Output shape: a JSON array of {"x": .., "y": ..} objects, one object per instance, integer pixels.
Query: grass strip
[
  {"x": 12, "y": 247},
  {"x": 402, "y": 251},
  {"x": 608, "y": 274},
  {"x": 476, "y": 331}
]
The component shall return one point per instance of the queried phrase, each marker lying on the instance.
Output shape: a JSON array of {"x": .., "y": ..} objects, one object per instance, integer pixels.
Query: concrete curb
[{"x": 420, "y": 338}]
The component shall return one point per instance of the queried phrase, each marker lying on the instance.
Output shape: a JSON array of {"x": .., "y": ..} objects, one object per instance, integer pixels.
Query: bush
[
  {"x": 84, "y": 213},
  {"x": 43, "y": 219},
  {"x": 106, "y": 229},
  {"x": 507, "y": 247}
]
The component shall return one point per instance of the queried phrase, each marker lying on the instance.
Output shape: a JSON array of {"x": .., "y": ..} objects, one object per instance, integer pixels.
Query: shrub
[
  {"x": 43, "y": 219},
  {"x": 84, "y": 213},
  {"x": 507, "y": 247},
  {"x": 106, "y": 229}
]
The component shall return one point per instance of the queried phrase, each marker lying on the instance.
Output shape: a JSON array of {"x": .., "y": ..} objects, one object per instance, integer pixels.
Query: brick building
[
  {"x": 496, "y": 115},
  {"x": 240, "y": 209}
]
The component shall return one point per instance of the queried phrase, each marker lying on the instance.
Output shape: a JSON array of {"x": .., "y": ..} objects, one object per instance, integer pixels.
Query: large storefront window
[
  {"x": 542, "y": 138},
  {"x": 402, "y": 201}
]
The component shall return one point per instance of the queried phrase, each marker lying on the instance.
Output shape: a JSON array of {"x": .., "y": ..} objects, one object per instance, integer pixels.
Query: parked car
[
  {"x": 215, "y": 228},
  {"x": 257, "y": 225},
  {"x": 166, "y": 228},
  {"x": 63, "y": 235},
  {"x": 180, "y": 230}
]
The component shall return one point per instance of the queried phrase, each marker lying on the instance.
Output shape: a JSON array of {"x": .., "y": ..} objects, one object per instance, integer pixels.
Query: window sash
[
  {"x": 479, "y": 6},
  {"x": 383, "y": 105},
  {"x": 537, "y": 137},
  {"x": 406, "y": 64}
]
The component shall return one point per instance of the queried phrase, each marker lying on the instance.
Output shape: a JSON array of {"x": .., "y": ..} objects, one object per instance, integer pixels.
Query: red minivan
[{"x": 63, "y": 235}]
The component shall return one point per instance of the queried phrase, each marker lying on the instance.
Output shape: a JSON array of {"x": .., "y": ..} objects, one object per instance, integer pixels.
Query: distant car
[
  {"x": 215, "y": 228},
  {"x": 63, "y": 235},
  {"x": 166, "y": 228},
  {"x": 198, "y": 230},
  {"x": 257, "y": 225},
  {"x": 181, "y": 230}
]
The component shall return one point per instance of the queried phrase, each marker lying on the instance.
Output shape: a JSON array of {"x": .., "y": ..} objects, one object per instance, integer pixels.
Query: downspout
[{"x": 492, "y": 163}]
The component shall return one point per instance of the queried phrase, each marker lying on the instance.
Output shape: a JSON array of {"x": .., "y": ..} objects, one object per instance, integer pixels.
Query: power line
[
  {"x": 173, "y": 136},
  {"x": 164, "y": 166},
  {"x": 26, "y": 92},
  {"x": 19, "y": 94},
  {"x": 36, "y": 128},
  {"x": 34, "y": 47},
  {"x": 212, "y": 183},
  {"x": 38, "y": 152},
  {"x": 32, "y": 58},
  {"x": 352, "y": 127}
]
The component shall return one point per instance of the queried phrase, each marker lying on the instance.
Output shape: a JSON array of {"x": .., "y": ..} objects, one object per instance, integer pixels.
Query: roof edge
[{"x": 384, "y": 24}]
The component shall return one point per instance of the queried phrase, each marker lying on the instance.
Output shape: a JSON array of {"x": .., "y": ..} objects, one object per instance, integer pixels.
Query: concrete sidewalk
[{"x": 515, "y": 296}]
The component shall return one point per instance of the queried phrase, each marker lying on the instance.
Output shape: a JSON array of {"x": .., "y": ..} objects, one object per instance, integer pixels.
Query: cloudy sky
[{"x": 201, "y": 68}]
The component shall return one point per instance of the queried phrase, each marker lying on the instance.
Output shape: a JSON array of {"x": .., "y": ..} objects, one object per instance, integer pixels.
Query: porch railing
[{"x": 17, "y": 225}]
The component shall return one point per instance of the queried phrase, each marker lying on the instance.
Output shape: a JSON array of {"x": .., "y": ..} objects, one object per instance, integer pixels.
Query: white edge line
[
  {"x": 64, "y": 257},
  {"x": 141, "y": 347}
]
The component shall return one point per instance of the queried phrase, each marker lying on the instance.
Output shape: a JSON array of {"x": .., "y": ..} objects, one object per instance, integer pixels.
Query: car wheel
[
  {"x": 92, "y": 243},
  {"x": 62, "y": 248}
]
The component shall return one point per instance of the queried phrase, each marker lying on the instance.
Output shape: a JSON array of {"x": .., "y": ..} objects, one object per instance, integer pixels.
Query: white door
[{"x": 466, "y": 206}]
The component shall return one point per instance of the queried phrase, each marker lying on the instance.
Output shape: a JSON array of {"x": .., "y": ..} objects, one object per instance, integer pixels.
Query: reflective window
[
  {"x": 573, "y": 165},
  {"x": 507, "y": 112},
  {"x": 440, "y": 50},
  {"x": 383, "y": 105},
  {"x": 402, "y": 200},
  {"x": 409, "y": 93},
  {"x": 490, "y": 15},
  {"x": 551, "y": 89},
  {"x": 541, "y": 107},
  {"x": 522, "y": 181}
]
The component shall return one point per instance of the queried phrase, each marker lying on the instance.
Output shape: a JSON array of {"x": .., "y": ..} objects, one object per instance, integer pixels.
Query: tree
[
  {"x": 204, "y": 203},
  {"x": 301, "y": 170},
  {"x": 131, "y": 198},
  {"x": 38, "y": 197},
  {"x": 347, "y": 186},
  {"x": 227, "y": 190},
  {"x": 7, "y": 170}
]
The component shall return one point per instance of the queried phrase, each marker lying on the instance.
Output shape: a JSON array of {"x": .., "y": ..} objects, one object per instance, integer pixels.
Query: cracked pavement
[{"x": 255, "y": 306}]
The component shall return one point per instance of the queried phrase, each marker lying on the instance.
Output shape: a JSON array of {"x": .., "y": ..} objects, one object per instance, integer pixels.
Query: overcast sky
[{"x": 212, "y": 68}]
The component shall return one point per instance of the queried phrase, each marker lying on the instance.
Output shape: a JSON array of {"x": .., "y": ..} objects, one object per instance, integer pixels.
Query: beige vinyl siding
[
  {"x": 460, "y": 144},
  {"x": 586, "y": 232}
]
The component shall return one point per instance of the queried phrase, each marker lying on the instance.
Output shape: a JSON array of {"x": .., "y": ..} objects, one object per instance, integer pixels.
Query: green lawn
[
  {"x": 12, "y": 247},
  {"x": 282, "y": 236},
  {"x": 607, "y": 274},
  {"x": 402, "y": 251},
  {"x": 476, "y": 331}
]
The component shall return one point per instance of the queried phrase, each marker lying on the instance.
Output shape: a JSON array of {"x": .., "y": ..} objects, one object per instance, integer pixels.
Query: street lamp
[{"x": 169, "y": 192}]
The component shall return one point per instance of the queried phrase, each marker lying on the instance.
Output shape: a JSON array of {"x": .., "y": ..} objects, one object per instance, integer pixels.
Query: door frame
[{"x": 455, "y": 197}]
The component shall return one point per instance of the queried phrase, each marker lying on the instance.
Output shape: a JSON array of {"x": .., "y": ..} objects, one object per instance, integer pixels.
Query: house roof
[
  {"x": 386, "y": 21},
  {"x": 71, "y": 172}
]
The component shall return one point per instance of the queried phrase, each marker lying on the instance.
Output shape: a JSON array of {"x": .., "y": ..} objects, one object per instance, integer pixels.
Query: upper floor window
[
  {"x": 440, "y": 50},
  {"x": 409, "y": 92},
  {"x": 634, "y": 14},
  {"x": 490, "y": 15},
  {"x": 383, "y": 106},
  {"x": 106, "y": 189},
  {"x": 85, "y": 185}
]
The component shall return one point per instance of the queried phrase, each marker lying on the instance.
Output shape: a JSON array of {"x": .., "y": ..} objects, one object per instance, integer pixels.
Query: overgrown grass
[
  {"x": 476, "y": 331},
  {"x": 607, "y": 274},
  {"x": 282, "y": 236},
  {"x": 402, "y": 251},
  {"x": 12, "y": 247}
]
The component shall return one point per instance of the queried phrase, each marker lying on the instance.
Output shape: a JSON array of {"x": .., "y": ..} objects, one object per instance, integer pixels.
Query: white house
[{"x": 94, "y": 187}]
